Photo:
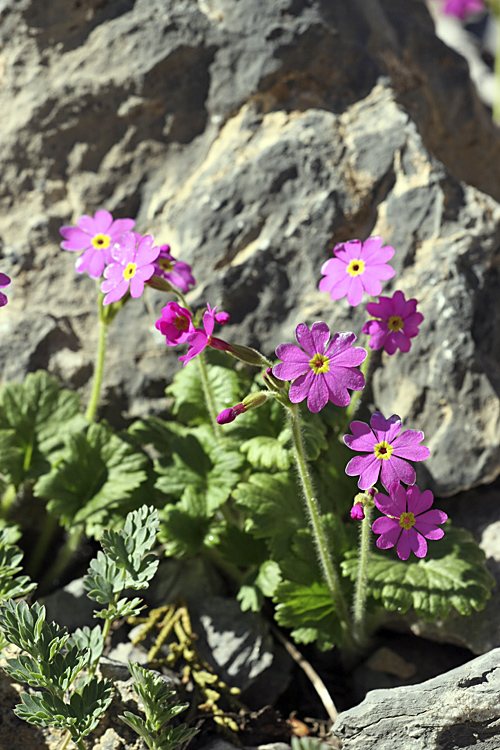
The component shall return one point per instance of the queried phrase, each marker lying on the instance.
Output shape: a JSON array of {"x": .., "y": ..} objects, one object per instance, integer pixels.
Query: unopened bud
[
  {"x": 357, "y": 512},
  {"x": 229, "y": 415},
  {"x": 248, "y": 355},
  {"x": 254, "y": 400},
  {"x": 222, "y": 318},
  {"x": 272, "y": 382}
]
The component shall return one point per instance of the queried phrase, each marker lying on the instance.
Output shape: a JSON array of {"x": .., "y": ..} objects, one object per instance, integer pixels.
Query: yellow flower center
[
  {"x": 130, "y": 270},
  {"x": 395, "y": 323},
  {"x": 101, "y": 241},
  {"x": 181, "y": 322},
  {"x": 406, "y": 520},
  {"x": 165, "y": 265},
  {"x": 319, "y": 364},
  {"x": 383, "y": 450},
  {"x": 356, "y": 267}
]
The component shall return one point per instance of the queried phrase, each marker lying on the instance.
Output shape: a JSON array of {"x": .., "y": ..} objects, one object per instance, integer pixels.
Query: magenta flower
[
  {"x": 386, "y": 449},
  {"x": 229, "y": 415},
  {"x": 174, "y": 271},
  {"x": 130, "y": 268},
  {"x": 408, "y": 522},
  {"x": 397, "y": 323},
  {"x": 357, "y": 268},
  {"x": 357, "y": 512},
  {"x": 462, "y": 8},
  {"x": 96, "y": 236},
  {"x": 322, "y": 370},
  {"x": 175, "y": 324},
  {"x": 4, "y": 281},
  {"x": 198, "y": 339}
]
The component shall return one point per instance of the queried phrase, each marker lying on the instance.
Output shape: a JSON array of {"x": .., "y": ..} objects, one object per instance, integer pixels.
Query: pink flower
[
  {"x": 322, "y": 370},
  {"x": 174, "y": 271},
  {"x": 408, "y": 522},
  {"x": 357, "y": 268},
  {"x": 398, "y": 323},
  {"x": 175, "y": 324},
  {"x": 462, "y": 8},
  {"x": 131, "y": 267},
  {"x": 96, "y": 236},
  {"x": 386, "y": 449},
  {"x": 199, "y": 339},
  {"x": 4, "y": 281}
]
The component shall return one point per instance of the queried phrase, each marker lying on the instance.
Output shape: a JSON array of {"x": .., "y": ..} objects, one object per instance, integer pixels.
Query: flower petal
[{"x": 396, "y": 470}]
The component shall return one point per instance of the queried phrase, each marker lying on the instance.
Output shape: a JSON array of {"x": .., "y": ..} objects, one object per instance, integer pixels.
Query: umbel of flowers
[{"x": 321, "y": 368}]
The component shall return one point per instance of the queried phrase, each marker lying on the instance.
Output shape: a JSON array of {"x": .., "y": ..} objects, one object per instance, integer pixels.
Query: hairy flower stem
[
  {"x": 312, "y": 506},
  {"x": 99, "y": 366},
  {"x": 209, "y": 396},
  {"x": 359, "y": 605}
]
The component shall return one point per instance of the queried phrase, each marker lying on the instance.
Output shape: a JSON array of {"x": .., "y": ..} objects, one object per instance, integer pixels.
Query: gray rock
[
  {"x": 70, "y": 606},
  {"x": 457, "y": 709}
]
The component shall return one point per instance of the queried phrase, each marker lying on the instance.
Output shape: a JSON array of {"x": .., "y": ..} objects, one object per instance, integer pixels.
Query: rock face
[
  {"x": 458, "y": 709},
  {"x": 253, "y": 137}
]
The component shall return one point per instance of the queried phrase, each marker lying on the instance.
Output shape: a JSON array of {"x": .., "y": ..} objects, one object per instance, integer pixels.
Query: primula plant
[{"x": 251, "y": 469}]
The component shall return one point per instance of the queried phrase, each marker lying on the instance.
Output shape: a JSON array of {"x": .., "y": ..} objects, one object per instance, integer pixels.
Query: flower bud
[
  {"x": 272, "y": 382},
  {"x": 357, "y": 512},
  {"x": 229, "y": 415},
  {"x": 248, "y": 355},
  {"x": 222, "y": 318},
  {"x": 254, "y": 400}
]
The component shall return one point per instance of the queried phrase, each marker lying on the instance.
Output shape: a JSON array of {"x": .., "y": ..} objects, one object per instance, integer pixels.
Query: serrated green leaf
[
  {"x": 265, "y": 452},
  {"x": 452, "y": 575},
  {"x": 35, "y": 419},
  {"x": 184, "y": 525},
  {"x": 89, "y": 642},
  {"x": 12, "y": 586},
  {"x": 273, "y": 507},
  {"x": 187, "y": 390},
  {"x": 239, "y": 547},
  {"x": 309, "y": 610},
  {"x": 130, "y": 547},
  {"x": 300, "y": 564},
  {"x": 201, "y": 462},
  {"x": 160, "y": 706},
  {"x": 98, "y": 472},
  {"x": 259, "y": 584}
]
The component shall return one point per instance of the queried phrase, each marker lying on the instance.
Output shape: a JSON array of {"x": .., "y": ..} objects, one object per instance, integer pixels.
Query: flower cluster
[
  {"x": 126, "y": 259},
  {"x": 361, "y": 267},
  {"x": 321, "y": 368},
  {"x": 385, "y": 454}
]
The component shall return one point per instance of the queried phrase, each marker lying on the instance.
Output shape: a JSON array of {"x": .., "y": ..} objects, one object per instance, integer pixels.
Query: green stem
[
  {"x": 209, "y": 396},
  {"x": 312, "y": 506},
  {"x": 99, "y": 368},
  {"x": 360, "y": 591},
  {"x": 67, "y": 738}
]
